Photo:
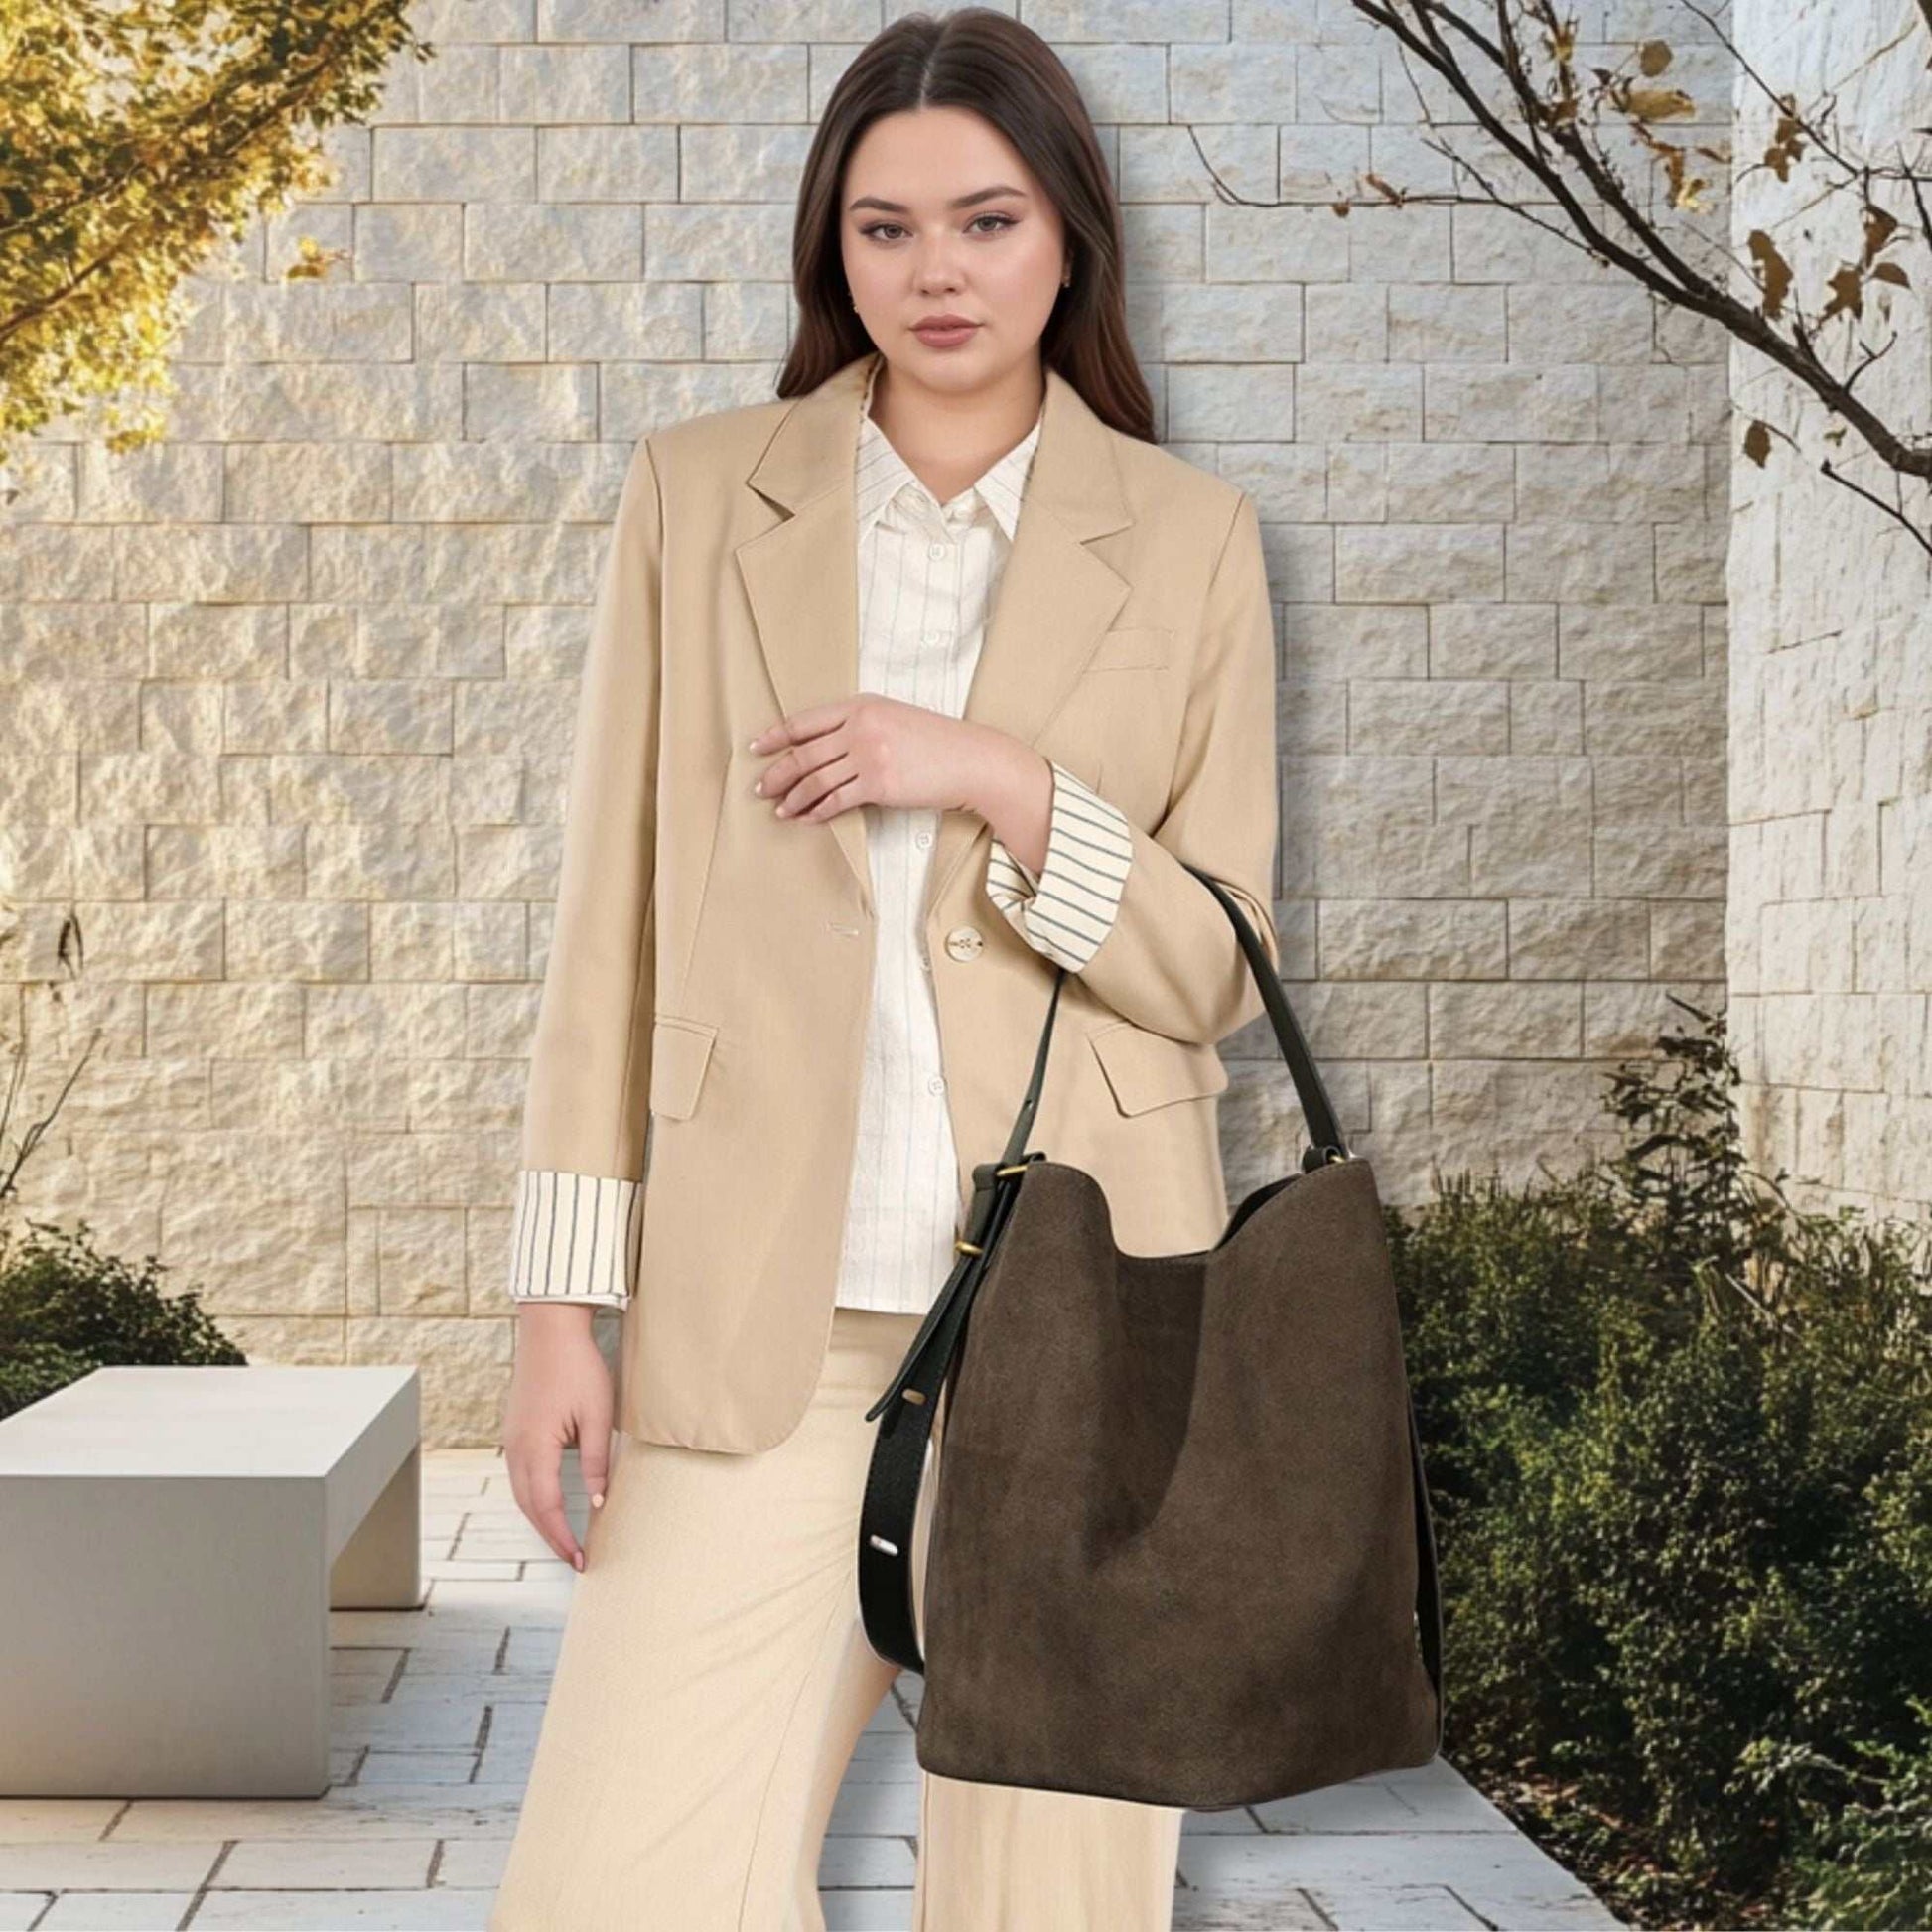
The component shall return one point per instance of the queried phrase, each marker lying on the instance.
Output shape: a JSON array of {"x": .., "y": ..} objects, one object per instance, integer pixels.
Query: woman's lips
[{"x": 945, "y": 335}]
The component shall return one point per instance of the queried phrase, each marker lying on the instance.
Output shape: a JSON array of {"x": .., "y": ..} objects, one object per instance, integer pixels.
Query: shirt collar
[{"x": 882, "y": 472}]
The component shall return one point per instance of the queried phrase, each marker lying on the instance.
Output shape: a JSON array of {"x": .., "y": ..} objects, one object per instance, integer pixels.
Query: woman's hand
[
  {"x": 871, "y": 749},
  {"x": 560, "y": 1392}
]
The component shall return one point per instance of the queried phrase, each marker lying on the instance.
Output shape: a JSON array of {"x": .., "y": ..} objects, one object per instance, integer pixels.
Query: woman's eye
[{"x": 878, "y": 230}]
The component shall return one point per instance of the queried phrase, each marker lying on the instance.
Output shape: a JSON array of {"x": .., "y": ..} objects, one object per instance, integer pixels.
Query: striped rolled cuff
[
  {"x": 574, "y": 1237},
  {"x": 1069, "y": 908}
]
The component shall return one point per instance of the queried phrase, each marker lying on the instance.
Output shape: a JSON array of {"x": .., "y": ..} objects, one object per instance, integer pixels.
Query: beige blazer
[{"x": 704, "y": 1000}]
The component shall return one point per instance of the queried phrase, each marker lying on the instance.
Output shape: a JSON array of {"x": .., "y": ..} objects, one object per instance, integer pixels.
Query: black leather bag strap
[
  {"x": 1318, "y": 1110},
  {"x": 897, "y": 1467},
  {"x": 975, "y": 1245},
  {"x": 898, "y": 1455}
]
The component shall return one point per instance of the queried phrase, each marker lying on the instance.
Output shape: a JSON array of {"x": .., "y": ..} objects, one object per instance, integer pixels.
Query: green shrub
[
  {"x": 1867, "y": 1864},
  {"x": 66, "y": 1310},
  {"x": 1680, "y": 1456}
]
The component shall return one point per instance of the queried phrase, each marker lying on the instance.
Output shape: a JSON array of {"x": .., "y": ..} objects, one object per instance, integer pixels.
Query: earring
[{"x": 1066, "y": 280}]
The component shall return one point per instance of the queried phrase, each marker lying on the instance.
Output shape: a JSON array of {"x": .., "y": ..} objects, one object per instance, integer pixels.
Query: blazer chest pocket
[
  {"x": 1147, "y": 1069},
  {"x": 1133, "y": 649},
  {"x": 680, "y": 1053}
]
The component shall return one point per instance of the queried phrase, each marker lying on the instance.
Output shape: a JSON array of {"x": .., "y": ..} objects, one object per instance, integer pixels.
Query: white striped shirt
[{"x": 927, "y": 575}]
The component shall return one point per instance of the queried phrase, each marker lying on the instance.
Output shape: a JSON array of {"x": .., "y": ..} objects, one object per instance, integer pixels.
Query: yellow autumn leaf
[
  {"x": 1757, "y": 442},
  {"x": 1654, "y": 56},
  {"x": 1659, "y": 103}
]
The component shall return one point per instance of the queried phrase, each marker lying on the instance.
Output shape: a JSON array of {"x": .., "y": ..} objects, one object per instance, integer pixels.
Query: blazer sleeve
[
  {"x": 1170, "y": 959},
  {"x": 579, "y": 1191}
]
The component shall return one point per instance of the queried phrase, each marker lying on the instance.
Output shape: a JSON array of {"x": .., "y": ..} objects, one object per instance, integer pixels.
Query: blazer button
[{"x": 964, "y": 943}]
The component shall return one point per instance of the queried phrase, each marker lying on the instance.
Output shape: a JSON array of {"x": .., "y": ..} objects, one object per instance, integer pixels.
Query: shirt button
[
  {"x": 925, "y": 962},
  {"x": 935, "y": 636},
  {"x": 936, "y": 549},
  {"x": 937, "y": 1085},
  {"x": 921, "y": 838}
]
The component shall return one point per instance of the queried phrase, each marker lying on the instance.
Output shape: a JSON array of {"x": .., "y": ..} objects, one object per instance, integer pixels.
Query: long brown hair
[{"x": 1004, "y": 72}]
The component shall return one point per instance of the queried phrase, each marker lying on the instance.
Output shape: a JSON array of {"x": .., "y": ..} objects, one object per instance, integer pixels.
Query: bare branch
[
  {"x": 1895, "y": 511},
  {"x": 31, "y": 1139}
]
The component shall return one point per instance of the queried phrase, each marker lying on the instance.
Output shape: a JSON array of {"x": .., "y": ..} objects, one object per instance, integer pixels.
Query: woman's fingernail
[
  {"x": 597, "y": 1501},
  {"x": 578, "y": 1560}
]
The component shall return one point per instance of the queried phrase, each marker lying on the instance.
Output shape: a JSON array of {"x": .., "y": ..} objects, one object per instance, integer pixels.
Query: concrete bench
[{"x": 172, "y": 1541}]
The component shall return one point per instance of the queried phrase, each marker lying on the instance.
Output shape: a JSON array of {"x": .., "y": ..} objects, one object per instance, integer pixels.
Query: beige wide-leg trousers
[{"x": 714, "y": 1678}]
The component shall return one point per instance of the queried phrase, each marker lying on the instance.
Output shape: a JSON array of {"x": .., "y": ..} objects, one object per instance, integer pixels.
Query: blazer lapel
[
  {"x": 1054, "y": 602},
  {"x": 802, "y": 574}
]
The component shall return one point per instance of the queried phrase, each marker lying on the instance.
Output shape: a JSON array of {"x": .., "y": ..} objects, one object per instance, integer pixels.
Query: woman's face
[{"x": 940, "y": 217}]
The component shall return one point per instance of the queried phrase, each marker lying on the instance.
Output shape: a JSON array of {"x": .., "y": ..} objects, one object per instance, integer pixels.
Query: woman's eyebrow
[{"x": 958, "y": 200}]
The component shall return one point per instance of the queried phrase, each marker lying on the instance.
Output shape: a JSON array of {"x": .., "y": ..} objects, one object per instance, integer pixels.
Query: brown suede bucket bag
[{"x": 1180, "y": 1549}]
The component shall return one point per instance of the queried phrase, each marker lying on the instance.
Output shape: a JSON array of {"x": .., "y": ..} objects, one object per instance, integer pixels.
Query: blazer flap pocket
[
  {"x": 1148, "y": 1069},
  {"x": 1130, "y": 649},
  {"x": 680, "y": 1051}
]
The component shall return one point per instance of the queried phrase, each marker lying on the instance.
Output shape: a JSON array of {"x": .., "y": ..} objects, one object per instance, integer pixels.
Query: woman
[{"x": 945, "y": 588}]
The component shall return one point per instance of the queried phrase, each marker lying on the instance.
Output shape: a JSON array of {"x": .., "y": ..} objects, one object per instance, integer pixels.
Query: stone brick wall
[
  {"x": 1829, "y": 940},
  {"x": 289, "y": 696}
]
